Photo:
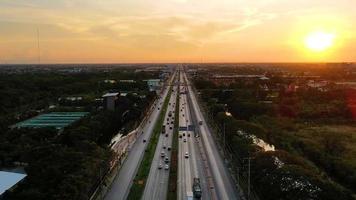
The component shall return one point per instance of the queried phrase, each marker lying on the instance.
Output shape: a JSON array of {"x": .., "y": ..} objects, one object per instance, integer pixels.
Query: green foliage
[
  {"x": 67, "y": 164},
  {"x": 295, "y": 123}
]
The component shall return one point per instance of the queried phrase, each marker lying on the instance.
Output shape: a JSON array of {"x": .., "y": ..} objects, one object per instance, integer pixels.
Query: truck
[{"x": 196, "y": 188}]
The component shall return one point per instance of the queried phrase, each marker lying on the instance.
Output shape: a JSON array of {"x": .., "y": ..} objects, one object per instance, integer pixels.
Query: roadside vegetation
[
  {"x": 139, "y": 183},
  {"x": 312, "y": 130}
]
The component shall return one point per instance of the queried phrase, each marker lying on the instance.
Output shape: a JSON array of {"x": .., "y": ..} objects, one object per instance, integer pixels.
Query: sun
[{"x": 319, "y": 41}]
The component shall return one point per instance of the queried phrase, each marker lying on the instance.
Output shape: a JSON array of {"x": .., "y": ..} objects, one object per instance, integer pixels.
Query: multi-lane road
[
  {"x": 198, "y": 155},
  {"x": 222, "y": 183},
  {"x": 122, "y": 183},
  {"x": 157, "y": 182}
]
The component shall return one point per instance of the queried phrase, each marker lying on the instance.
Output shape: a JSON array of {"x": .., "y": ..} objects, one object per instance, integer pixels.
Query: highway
[
  {"x": 157, "y": 183},
  {"x": 218, "y": 177},
  {"x": 193, "y": 166},
  {"x": 122, "y": 183},
  {"x": 204, "y": 160}
]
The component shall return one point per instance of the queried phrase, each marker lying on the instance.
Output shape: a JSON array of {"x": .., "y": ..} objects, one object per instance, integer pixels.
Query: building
[
  {"x": 111, "y": 100},
  {"x": 9, "y": 180},
  {"x": 127, "y": 81},
  {"x": 153, "y": 84}
]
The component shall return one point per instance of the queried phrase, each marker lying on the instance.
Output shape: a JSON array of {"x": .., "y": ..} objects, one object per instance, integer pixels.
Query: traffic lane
[
  {"x": 196, "y": 158},
  {"x": 162, "y": 175},
  {"x": 157, "y": 176},
  {"x": 181, "y": 171},
  {"x": 223, "y": 181},
  {"x": 121, "y": 184},
  {"x": 123, "y": 181},
  {"x": 167, "y": 142}
]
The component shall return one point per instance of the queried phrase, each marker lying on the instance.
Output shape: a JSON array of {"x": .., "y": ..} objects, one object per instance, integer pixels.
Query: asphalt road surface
[
  {"x": 121, "y": 185},
  {"x": 193, "y": 166},
  {"x": 223, "y": 185},
  {"x": 157, "y": 183}
]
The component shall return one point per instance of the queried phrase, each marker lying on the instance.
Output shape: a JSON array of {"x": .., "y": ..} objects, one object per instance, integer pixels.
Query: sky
[{"x": 126, "y": 31}]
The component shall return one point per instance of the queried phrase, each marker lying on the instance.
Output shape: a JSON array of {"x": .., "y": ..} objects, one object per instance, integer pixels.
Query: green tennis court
[{"x": 58, "y": 120}]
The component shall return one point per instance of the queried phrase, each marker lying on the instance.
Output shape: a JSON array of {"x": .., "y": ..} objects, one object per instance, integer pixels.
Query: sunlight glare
[{"x": 319, "y": 41}]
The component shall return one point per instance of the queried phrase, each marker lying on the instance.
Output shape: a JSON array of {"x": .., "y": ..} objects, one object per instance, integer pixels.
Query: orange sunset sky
[{"x": 121, "y": 31}]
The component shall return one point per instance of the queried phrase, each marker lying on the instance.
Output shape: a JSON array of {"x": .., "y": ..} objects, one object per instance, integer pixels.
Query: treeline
[
  {"x": 22, "y": 94},
  {"x": 286, "y": 122},
  {"x": 68, "y": 165}
]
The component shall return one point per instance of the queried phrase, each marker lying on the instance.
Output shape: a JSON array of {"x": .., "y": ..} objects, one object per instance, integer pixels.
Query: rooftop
[
  {"x": 9, "y": 179},
  {"x": 57, "y": 120},
  {"x": 111, "y": 94}
]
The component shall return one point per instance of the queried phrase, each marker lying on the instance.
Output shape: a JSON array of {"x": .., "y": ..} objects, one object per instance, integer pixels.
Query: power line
[{"x": 38, "y": 46}]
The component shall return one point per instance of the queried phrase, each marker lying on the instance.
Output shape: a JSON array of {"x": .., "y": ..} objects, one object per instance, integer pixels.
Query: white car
[
  {"x": 186, "y": 155},
  {"x": 166, "y": 167},
  {"x": 160, "y": 166},
  {"x": 184, "y": 140}
]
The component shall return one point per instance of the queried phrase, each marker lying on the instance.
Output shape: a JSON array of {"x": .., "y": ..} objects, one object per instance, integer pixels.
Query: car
[
  {"x": 166, "y": 159},
  {"x": 186, "y": 155},
  {"x": 188, "y": 134},
  {"x": 171, "y": 127},
  {"x": 180, "y": 136},
  {"x": 158, "y": 108},
  {"x": 164, "y": 146},
  {"x": 183, "y": 134},
  {"x": 172, "y": 122},
  {"x": 163, "y": 154},
  {"x": 149, "y": 121},
  {"x": 185, "y": 140},
  {"x": 166, "y": 167},
  {"x": 160, "y": 166},
  {"x": 167, "y": 123},
  {"x": 169, "y": 148},
  {"x": 167, "y": 135},
  {"x": 144, "y": 140}
]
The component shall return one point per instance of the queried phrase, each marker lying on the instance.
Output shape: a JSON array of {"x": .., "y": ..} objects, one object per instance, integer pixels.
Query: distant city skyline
[{"x": 149, "y": 31}]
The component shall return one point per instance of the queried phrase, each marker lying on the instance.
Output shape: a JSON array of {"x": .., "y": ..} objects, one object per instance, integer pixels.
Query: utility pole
[{"x": 38, "y": 46}]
